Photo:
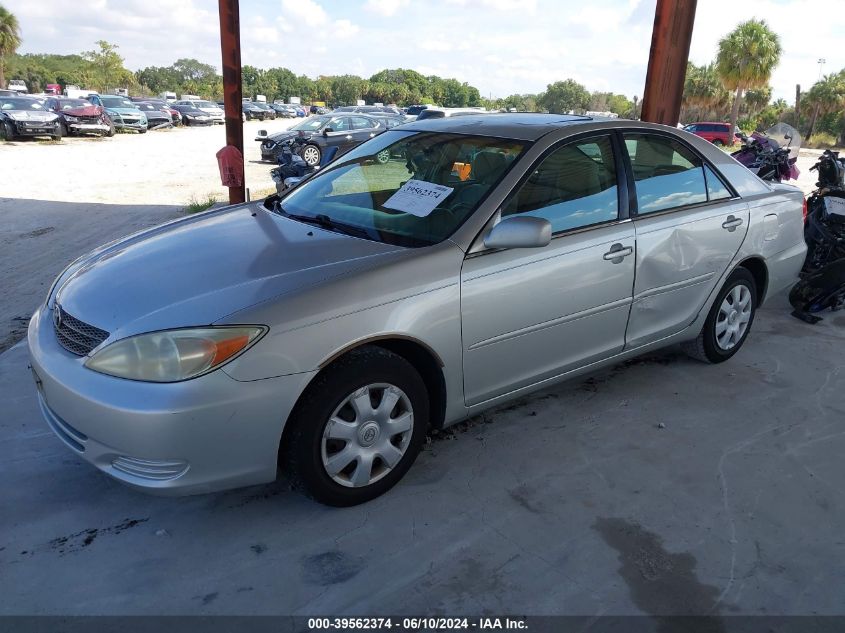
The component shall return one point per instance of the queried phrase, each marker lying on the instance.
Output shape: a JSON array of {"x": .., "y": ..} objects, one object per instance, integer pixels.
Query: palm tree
[
  {"x": 703, "y": 90},
  {"x": 747, "y": 56},
  {"x": 10, "y": 40},
  {"x": 827, "y": 95}
]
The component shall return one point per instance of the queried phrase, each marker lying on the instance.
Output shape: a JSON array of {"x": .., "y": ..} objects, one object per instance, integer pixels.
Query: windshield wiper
[{"x": 324, "y": 221}]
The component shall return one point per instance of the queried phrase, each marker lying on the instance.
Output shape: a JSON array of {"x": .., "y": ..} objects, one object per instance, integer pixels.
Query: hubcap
[
  {"x": 367, "y": 435},
  {"x": 734, "y": 316},
  {"x": 311, "y": 156}
]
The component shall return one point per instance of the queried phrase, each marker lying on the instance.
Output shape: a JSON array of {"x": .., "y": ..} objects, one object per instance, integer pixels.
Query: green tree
[
  {"x": 747, "y": 56},
  {"x": 565, "y": 96},
  {"x": 10, "y": 40},
  {"x": 107, "y": 67},
  {"x": 826, "y": 96}
]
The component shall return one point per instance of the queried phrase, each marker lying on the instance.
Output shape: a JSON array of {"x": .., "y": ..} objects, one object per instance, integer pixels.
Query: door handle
[
  {"x": 731, "y": 223},
  {"x": 617, "y": 253}
]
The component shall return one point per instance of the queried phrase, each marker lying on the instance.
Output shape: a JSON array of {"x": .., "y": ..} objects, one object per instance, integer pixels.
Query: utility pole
[
  {"x": 230, "y": 46},
  {"x": 667, "y": 61}
]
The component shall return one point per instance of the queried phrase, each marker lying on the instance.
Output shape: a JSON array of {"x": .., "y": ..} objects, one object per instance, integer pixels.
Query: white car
[{"x": 212, "y": 109}]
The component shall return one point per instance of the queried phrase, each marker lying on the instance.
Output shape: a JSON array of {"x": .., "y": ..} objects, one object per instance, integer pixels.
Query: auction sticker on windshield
[{"x": 418, "y": 197}]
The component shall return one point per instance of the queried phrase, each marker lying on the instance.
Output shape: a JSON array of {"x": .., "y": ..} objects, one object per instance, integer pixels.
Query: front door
[
  {"x": 689, "y": 228},
  {"x": 531, "y": 314}
]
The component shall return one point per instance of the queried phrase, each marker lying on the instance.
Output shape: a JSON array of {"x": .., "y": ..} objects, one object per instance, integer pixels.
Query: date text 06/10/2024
[{"x": 417, "y": 624}]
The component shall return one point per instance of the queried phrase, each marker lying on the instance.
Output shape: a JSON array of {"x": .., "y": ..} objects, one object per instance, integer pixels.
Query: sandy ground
[{"x": 161, "y": 167}]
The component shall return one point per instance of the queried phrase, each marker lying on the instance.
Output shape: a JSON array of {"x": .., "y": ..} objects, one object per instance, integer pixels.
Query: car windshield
[
  {"x": 19, "y": 104},
  {"x": 117, "y": 102},
  {"x": 312, "y": 124},
  {"x": 70, "y": 104},
  {"x": 206, "y": 104},
  {"x": 405, "y": 188}
]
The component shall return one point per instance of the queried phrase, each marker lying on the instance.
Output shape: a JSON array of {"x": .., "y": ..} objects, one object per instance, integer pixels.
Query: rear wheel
[
  {"x": 718, "y": 142},
  {"x": 729, "y": 321},
  {"x": 357, "y": 429}
]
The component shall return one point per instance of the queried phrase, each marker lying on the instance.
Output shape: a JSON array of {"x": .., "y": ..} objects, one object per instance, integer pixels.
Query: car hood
[
  {"x": 28, "y": 115},
  {"x": 132, "y": 111},
  {"x": 288, "y": 134},
  {"x": 197, "y": 270},
  {"x": 90, "y": 110}
]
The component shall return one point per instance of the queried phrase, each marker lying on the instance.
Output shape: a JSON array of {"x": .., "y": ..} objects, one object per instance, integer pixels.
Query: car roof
[{"x": 522, "y": 126}]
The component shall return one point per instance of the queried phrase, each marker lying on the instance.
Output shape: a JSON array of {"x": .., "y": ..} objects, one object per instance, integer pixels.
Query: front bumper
[
  {"x": 88, "y": 128},
  {"x": 36, "y": 128},
  {"x": 128, "y": 123},
  {"x": 202, "y": 435}
]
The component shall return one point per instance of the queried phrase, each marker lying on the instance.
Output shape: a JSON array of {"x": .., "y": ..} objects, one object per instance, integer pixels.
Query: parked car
[
  {"x": 412, "y": 112},
  {"x": 322, "y": 132},
  {"x": 22, "y": 116},
  {"x": 209, "y": 107},
  {"x": 269, "y": 112},
  {"x": 441, "y": 113},
  {"x": 156, "y": 115},
  {"x": 376, "y": 301},
  {"x": 18, "y": 85},
  {"x": 124, "y": 114},
  {"x": 78, "y": 116},
  {"x": 192, "y": 115},
  {"x": 161, "y": 104},
  {"x": 370, "y": 109},
  {"x": 253, "y": 112},
  {"x": 283, "y": 110},
  {"x": 716, "y": 133}
]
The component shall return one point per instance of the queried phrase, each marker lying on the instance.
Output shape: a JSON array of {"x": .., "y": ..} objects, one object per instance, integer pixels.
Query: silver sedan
[{"x": 444, "y": 267}]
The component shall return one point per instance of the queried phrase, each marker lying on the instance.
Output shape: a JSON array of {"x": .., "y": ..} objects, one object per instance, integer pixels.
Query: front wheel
[
  {"x": 729, "y": 320},
  {"x": 718, "y": 142},
  {"x": 383, "y": 156},
  {"x": 311, "y": 155},
  {"x": 357, "y": 429},
  {"x": 142, "y": 131}
]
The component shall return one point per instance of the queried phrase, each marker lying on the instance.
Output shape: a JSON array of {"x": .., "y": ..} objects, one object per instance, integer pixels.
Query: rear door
[{"x": 689, "y": 226}]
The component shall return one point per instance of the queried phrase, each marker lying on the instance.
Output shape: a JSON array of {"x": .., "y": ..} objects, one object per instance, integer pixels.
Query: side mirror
[
  {"x": 520, "y": 232},
  {"x": 262, "y": 132},
  {"x": 327, "y": 131}
]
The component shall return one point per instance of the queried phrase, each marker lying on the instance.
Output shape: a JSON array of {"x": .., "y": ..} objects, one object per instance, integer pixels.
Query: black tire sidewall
[
  {"x": 714, "y": 353},
  {"x": 302, "y": 455}
]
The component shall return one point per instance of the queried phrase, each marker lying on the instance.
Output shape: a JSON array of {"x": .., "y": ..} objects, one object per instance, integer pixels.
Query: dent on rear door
[{"x": 680, "y": 258}]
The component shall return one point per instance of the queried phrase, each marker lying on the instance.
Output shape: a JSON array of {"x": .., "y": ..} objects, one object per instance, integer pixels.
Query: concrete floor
[{"x": 663, "y": 486}]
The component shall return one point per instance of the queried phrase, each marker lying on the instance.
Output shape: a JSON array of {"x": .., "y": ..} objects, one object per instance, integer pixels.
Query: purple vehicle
[{"x": 773, "y": 154}]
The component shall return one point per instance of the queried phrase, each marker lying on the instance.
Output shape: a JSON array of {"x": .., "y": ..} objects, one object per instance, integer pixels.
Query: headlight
[{"x": 174, "y": 355}]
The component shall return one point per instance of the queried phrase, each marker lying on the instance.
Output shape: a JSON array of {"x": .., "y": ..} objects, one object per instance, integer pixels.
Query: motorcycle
[
  {"x": 773, "y": 154},
  {"x": 822, "y": 283}
]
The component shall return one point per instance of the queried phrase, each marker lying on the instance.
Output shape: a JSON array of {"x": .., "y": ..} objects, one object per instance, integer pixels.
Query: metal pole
[
  {"x": 230, "y": 45},
  {"x": 667, "y": 61}
]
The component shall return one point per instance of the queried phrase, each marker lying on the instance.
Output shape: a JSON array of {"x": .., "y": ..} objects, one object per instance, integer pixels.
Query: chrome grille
[{"x": 74, "y": 335}]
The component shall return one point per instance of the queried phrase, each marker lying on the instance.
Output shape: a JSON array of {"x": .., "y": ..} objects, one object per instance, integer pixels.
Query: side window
[
  {"x": 339, "y": 124},
  {"x": 666, "y": 174},
  {"x": 573, "y": 187},
  {"x": 716, "y": 189},
  {"x": 361, "y": 123}
]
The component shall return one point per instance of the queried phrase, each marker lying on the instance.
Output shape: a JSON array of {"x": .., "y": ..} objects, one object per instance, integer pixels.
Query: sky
[{"x": 500, "y": 46}]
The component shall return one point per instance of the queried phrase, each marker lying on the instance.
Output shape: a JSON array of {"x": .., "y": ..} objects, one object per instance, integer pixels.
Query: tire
[
  {"x": 56, "y": 137},
  {"x": 383, "y": 156},
  {"x": 8, "y": 131},
  {"x": 142, "y": 131},
  {"x": 63, "y": 130},
  {"x": 718, "y": 142},
  {"x": 110, "y": 133},
  {"x": 713, "y": 345},
  {"x": 312, "y": 155},
  {"x": 364, "y": 472}
]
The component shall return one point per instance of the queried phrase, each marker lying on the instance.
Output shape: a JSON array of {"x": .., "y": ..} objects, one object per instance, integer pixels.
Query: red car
[
  {"x": 79, "y": 116},
  {"x": 718, "y": 133}
]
